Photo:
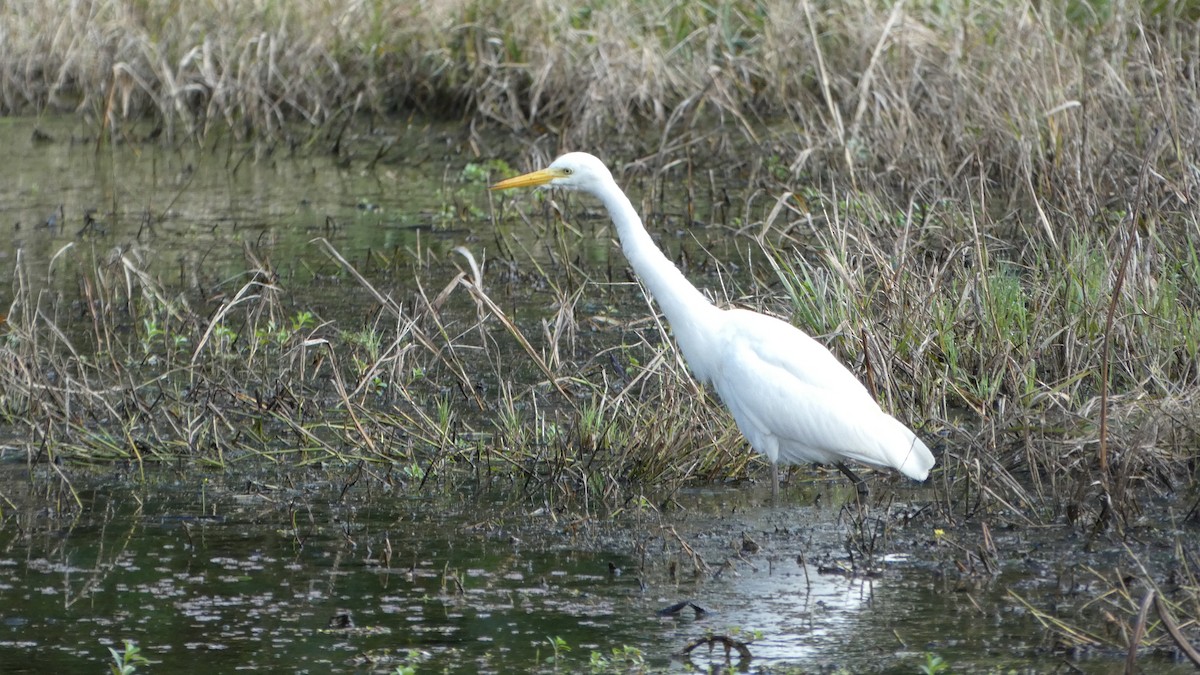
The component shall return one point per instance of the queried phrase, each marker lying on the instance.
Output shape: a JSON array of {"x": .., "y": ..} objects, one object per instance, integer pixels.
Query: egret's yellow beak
[{"x": 531, "y": 179}]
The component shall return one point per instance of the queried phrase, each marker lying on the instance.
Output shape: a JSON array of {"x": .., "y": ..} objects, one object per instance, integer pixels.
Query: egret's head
[{"x": 573, "y": 171}]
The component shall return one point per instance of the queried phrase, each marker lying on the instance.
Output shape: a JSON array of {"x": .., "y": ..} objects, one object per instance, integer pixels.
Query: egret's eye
[{"x": 566, "y": 172}]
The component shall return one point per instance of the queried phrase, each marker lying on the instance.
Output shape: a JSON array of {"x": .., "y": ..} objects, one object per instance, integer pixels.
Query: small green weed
[
  {"x": 933, "y": 665},
  {"x": 558, "y": 647},
  {"x": 622, "y": 659},
  {"x": 126, "y": 661}
]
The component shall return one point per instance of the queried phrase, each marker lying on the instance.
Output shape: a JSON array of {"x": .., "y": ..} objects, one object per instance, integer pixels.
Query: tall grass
[
  {"x": 954, "y": 184},
  {"x": 957, "y": 321},
  {"x": 439, "y": 388},
  {"x": 1031, "y": 97}
]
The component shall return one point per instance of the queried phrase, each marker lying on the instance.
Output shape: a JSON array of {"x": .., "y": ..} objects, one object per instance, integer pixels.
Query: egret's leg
[
  {"x": 859, "y": 483},
  {"x": 774, "y": 481}
]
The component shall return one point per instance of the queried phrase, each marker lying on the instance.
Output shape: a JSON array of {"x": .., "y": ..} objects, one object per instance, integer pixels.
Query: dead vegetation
[
  {"x": 428, "y": 392},
  {"x": 1033, "y": 99}
]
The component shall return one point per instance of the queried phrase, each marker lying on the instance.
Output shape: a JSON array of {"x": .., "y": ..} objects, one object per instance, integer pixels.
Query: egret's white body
[{"x": 791, "y": 398}]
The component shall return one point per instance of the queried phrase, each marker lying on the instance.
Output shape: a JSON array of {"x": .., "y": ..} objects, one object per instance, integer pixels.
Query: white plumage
[{"x": 791, "y": 398}]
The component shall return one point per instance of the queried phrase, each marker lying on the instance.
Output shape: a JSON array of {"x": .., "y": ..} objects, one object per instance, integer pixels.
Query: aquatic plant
[
  {"x": 625, "y": 658},
  {"x": 127, "y": 660},
  {"x": 934, "y": 665},
  {"x": 558, "y": 648}
]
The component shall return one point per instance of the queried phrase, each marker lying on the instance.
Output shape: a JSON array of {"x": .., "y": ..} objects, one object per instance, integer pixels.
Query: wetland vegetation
[{"x": 988, "y": 211}]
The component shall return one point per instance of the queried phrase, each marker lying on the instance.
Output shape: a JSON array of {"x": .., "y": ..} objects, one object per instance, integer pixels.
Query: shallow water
[
  {"x": 220, "y": 572},
  {"x": 200, "y": 208},
  {"x": 249, "y": 574}
]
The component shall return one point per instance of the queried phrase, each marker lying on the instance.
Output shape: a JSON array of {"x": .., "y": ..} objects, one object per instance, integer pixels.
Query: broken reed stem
[
  {"x": 1110, "y": 315},
  {"x": 1139, "y": 630},
  {"x": 1172, "y": 626}
]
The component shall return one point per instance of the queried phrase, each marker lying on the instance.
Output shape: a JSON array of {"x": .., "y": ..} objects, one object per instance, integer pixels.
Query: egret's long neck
[{"x": 691, "y": 315}]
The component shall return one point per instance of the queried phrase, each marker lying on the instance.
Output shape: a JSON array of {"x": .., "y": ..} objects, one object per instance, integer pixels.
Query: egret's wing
[
  {"x": 782, "y": 345},
  {"x": 786, "y": 389}
]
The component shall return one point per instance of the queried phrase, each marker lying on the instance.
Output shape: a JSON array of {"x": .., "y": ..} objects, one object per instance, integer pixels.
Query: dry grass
[
  {"x": 1026, "y": 96},
  {"x": 428, "y": 392},
  {"x": 987, "y": 178}
]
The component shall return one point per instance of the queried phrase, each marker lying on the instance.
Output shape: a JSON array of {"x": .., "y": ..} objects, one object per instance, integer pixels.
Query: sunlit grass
[
  {"x": 957, "y": 317},
  {"x": 434, "y": 397},
  {"x": 1036, "y": 95}
]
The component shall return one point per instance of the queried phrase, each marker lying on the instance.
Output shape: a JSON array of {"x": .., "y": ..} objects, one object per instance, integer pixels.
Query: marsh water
[
  {"x": 213, "y": 578},
  {"x": 314, "y": 570},
  {"x": 200, "y": 209},
  {"x": 297, "y": 572}
]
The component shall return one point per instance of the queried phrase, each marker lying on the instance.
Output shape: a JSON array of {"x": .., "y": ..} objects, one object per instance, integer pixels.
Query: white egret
[{"x": 791, "y": 398}]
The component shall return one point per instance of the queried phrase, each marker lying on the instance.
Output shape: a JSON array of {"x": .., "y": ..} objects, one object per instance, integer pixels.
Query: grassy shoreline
[{"x": 953, "y": 193}]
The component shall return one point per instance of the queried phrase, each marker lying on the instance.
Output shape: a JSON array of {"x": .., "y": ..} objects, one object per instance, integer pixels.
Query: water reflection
[
  {"x": 210, "y": 577},
  {"x": 246, "y": 589},
  {"x": 199, "y": 208}
]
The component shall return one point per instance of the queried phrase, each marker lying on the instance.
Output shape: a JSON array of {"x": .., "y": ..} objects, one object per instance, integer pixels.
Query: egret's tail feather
[{"x": 917, "y": 462}]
